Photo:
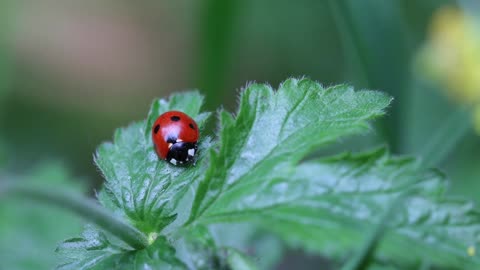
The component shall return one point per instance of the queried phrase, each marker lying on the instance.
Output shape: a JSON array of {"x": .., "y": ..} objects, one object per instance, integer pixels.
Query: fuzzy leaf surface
[
  {"x": 258, "y": 170},
  {"x": 330, "y": 205},
  {"x": 94, "y": 251},
  {"x": 272, "y": 132},
  {"x": 350, "y": 190},
  {"x": 138, "y": 185}
]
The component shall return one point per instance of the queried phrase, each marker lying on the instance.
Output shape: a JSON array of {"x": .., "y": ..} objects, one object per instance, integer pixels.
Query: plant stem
[
  {"x": 87, "y": 208},
  {"x": 5, "y": 54},
  {"x": 444, "y": 140},
  {"x": 350, "y": 40},
  {"x": 359, "y": 47},
  {"x": 217, "y": 27}
]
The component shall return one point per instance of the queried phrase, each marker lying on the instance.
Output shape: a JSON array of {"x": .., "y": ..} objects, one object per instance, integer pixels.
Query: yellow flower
[
  {"x": 451, "y": 56},
  {"x": 471, "y": 251}
]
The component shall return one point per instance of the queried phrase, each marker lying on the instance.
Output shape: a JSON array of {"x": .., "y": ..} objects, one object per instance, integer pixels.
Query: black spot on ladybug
[
  {"x": 157, "y": 127},
  {"x": 175, "y": 118},
  {"x": 191, "y": 126}
]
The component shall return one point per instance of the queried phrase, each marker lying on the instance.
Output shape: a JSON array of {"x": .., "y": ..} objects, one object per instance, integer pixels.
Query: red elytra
[{"x": 175, "y": 136}]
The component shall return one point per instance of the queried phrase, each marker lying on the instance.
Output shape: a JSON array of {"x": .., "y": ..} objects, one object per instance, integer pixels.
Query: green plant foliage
[
  {"x": 198, "y": 250},
  {"x": 345, "y": 195},
  {"x": 94, "y": 251},
  {"x": 137, "y": 184},
  {"x": 272, "y": 133},
  {"x": 258, "y": 170},
  {"x": 30, "y": 231}
]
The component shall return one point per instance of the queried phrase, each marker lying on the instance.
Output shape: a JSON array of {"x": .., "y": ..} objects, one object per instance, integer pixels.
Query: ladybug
[{"x": 175, "y": 136}]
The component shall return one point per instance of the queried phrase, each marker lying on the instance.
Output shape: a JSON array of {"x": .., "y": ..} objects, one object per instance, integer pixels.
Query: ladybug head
[{"x": 181, "y": 152}]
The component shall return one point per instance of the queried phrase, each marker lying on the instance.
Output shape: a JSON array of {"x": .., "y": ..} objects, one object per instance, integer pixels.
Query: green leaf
[
  {"x": 259, "y": 171},
  {"x": 266, "y": 247},
  {"x": 142, "y": 189},
  {"x": 198, "y": 250},
  {"x": 344, "y": 196},
  {"x": 138, "y": 185},
  {"x": 326, "y": 205},
  {"x": 95, "y": 251},
  {"x": 271, "y": 133}
]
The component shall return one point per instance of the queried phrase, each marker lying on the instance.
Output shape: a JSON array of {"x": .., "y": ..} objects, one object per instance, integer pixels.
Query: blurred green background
[{"x": 73, "y": 71}]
